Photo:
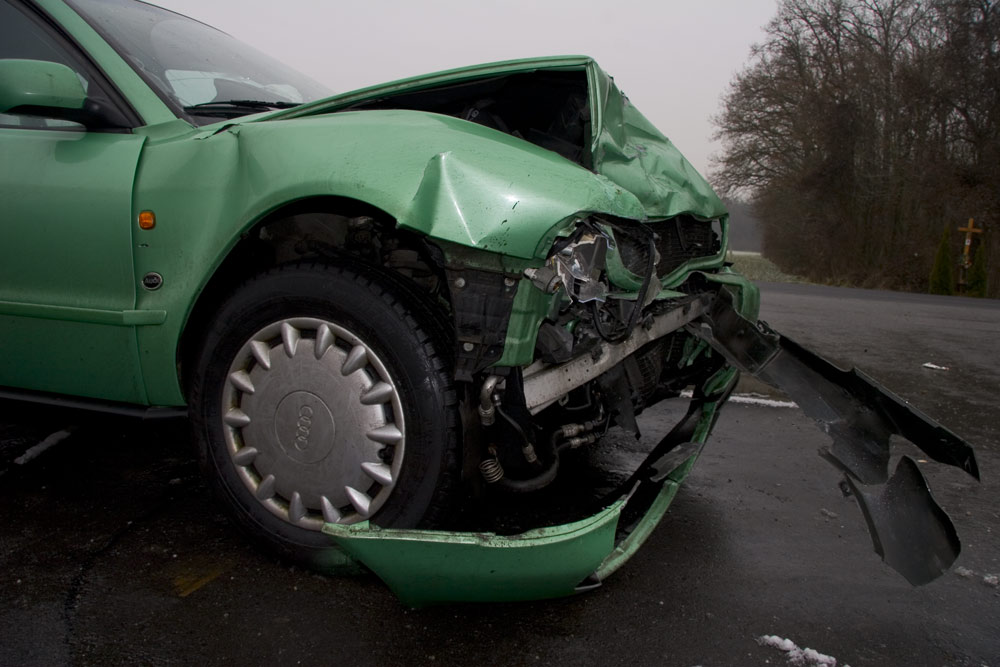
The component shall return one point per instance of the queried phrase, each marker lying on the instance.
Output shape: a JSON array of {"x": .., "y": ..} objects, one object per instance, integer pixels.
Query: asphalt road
[{"x": 112, "y": 551}]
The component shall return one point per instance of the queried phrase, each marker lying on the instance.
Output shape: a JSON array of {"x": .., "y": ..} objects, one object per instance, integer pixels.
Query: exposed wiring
[{"x": 639, "y": 301}]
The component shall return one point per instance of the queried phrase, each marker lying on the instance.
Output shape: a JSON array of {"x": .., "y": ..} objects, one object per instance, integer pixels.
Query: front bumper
[
  {"x": 425, "y": 567},
  {"x": 909, "y": 529}
]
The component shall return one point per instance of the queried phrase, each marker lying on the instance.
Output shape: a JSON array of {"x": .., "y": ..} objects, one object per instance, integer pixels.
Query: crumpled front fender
[{"x": 511, "y": 205}]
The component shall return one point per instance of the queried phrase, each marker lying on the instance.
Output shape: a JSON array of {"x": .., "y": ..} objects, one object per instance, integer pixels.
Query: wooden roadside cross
[{"x": 969, "y": 231}]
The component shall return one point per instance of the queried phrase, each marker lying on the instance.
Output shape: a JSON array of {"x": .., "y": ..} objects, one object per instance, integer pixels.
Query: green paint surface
[{"x": 425, "y": 566}]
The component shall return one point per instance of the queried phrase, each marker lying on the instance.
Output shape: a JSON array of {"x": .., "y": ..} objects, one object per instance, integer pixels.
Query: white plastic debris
[
  {"x": 935, "y": 367},
  {"x": 802, "y": 657}
]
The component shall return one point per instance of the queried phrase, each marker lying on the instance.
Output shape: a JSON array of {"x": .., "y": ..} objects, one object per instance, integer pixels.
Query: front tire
[{"x": 319, "y": 396}]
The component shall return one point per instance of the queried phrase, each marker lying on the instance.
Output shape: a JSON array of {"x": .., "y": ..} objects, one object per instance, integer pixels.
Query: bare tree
[{"x": 860, "y": 128}]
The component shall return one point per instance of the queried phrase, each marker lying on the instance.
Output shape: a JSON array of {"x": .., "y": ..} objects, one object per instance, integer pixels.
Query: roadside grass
[{"x": 760, "y": 269}]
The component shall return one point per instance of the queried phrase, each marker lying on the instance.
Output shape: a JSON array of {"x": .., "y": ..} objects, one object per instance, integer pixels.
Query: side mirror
[
  {"x": 38, "y": 87},
  {"x": 51, "y": 90}
]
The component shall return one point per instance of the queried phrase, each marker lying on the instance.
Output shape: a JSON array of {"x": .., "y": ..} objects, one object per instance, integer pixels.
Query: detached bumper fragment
[{"x": 908, "y": 528}]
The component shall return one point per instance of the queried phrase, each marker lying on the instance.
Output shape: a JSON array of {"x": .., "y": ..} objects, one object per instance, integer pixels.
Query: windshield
[{"x": 201, "y": 72}]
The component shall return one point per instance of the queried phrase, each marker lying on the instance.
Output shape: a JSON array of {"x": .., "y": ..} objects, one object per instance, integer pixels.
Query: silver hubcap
[{"x": 313, "y": 423}]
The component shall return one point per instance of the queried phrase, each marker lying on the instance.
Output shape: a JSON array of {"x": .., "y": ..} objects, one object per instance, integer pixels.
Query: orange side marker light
[{"x": 147, "y": 220}]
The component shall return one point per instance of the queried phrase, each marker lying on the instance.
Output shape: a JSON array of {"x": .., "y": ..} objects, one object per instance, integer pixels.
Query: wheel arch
[{"x": 310, "y": 227}]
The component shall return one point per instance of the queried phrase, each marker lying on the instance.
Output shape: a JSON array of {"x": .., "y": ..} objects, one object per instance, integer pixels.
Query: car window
[
  {"x": 189, "y": 63},
  {"x": 23, "y": 38}
]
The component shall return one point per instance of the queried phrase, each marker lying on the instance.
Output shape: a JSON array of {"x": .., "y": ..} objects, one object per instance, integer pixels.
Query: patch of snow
[
  {"x": 991, "y": 580},
  {"x": 935, "y": 367},
  {"x": 802, "y": 657},
  {"x": 964, "y": 572},
  {"x": 774, "y": 641}
]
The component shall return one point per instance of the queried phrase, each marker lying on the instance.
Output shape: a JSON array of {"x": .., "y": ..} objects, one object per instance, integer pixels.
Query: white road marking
[
  {"x": 752, "y": 399},
  {"x": 37, "y": 450}
]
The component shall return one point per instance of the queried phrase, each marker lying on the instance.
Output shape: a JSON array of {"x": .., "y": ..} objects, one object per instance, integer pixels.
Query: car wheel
[{"x": 319, "y": 396}]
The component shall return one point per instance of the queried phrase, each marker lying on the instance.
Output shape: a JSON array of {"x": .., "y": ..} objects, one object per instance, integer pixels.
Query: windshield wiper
[{"x": 234, "y": 108}]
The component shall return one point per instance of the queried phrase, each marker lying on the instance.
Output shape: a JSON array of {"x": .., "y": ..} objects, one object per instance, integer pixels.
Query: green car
[{"x": 386, "y": 310}]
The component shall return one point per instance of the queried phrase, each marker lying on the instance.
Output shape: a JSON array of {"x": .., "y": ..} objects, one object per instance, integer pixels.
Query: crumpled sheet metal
[
  {"x": 631, "y": 152},
  {"x": 627, "y": 150},
  {"x": 475, "y": 194}
]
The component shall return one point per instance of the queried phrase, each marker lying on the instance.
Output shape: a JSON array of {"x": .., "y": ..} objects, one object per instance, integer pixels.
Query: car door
[{"x": 66, "y": 281}]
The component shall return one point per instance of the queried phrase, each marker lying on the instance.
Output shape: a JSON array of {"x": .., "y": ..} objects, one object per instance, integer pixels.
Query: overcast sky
[{"x": 673, "y": 58}]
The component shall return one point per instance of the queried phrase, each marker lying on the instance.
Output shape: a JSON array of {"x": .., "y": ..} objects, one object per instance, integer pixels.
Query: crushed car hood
[{"x": 622, "y": 145}]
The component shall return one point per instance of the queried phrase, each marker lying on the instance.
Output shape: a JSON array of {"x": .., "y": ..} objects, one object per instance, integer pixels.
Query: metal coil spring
[{"x": 491, "y": 470}]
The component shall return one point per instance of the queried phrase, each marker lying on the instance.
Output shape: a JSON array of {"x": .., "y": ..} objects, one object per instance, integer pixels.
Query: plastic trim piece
[
  {"x": 119, "y": 318},
  {"x": 93, "y": 405}
]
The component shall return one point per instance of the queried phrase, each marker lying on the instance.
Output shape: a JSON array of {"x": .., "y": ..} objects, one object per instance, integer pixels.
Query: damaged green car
[{"x": 392, "y": 314}]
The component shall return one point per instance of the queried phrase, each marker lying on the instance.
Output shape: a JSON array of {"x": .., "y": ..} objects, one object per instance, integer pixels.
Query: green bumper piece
[
  {"x": 424, "y": 567},
  {"x": 427, "y": 566}
]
